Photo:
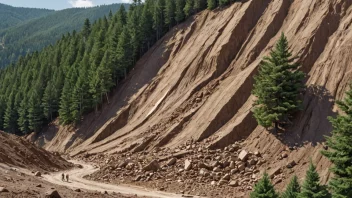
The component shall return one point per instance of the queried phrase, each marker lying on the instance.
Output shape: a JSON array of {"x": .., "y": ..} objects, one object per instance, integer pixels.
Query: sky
[{"x": 59, "y": 4}]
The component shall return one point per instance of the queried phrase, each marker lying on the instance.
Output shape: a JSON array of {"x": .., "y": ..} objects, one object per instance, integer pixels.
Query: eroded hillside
[{"x": 196, "y": 84}]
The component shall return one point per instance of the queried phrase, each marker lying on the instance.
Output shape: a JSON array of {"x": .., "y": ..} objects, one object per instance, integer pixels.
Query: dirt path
[{"x": 77, "y": 181}]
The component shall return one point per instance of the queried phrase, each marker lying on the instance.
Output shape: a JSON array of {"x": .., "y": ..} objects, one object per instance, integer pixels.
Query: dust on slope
[
  {"x": 17, "y": 151},
  {"x": 203, "y": 88}
]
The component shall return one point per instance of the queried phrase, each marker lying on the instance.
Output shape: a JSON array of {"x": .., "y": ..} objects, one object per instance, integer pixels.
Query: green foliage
[
  {"x": 293, "y": 189},
  {"x": 277, "y": 86},
  {"x": 224, "y": 2},
  {"x": 341, "y": 149},
  {"x": 311, "y": 187},
  {"x": 33, "y": 35},
  {"x": 77, "y": 74},
  {"x": 212, "y": 4},
  {"x": 264, "y": 188},
  {"x": 11, "y": 16}
]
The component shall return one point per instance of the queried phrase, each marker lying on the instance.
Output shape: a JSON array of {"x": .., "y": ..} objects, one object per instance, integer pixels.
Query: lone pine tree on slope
[
  {"x": 277, "y": 86},
  {"x": 341, "y": 153}
]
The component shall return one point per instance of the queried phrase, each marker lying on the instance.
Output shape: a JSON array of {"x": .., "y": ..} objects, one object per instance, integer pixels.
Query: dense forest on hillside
[
  {"x": 76, "y": 75},
  {"x": 39, "y": 33},
  {"x": 11, "y": 16}
]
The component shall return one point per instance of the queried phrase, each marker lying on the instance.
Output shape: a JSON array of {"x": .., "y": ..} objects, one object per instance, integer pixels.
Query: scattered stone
[
  {"x": 3, "y": 189},
  {"x": 172, "y": 161},
  {"x": 278, "y": 181},
  {"x": 203, "y": 165},
  {"x": 252, "y": 162},
  {"x": 291, "y": 164},
  {"x": 78, "y": 190},
  {"x": 216, "y": 169},
  {"x": 284, "y": 155},
  {"x": 243, "y": 155},
  {"x": 234, "y": 171},
  {"x": 38, "y": 174},
  {"x": 188, "y": 164},
  {"x": 38, "y": 186},
  {"x": 232, "y": 164},
  {"x": 233, "y": 183},
  {"x": 257, "y": 153},
  {"x": 78, "y": 166},
  {"x": 52, "y": 194},
  {"x": 213, "y": 183},
  {"x": 152, "y": 166},
  {"x": 241, "y": 167},
  {"x": 222, "y": 182},
  {"x": 139, "y": 177},
  {"x": 226, "y": 177}
]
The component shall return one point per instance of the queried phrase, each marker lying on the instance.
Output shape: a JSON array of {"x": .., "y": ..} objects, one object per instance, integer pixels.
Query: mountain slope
[
  {"x": 36, "y": 34},
  {"x": 195, "y": 84},
  {"x": 11, "y": 16}
]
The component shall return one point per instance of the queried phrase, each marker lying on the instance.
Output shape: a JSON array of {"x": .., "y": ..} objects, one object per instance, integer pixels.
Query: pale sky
[{"x": 59, "y": 4}]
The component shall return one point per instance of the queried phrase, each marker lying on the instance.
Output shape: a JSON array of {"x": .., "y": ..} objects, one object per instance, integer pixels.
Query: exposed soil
[{"x": 195, "y": 85}]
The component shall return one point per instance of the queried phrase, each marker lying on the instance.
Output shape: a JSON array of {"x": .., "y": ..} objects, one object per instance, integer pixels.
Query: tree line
[
  {"x": 278, "y": 87},
  {"x": 76, "y": 75}
]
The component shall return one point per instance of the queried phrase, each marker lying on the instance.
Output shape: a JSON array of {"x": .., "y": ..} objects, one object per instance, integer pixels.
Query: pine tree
[
  {"x": 311, "y": 187},
  {"x": 341, "y": 149},
  {"x": 158, "y": 18},
  {"x": 200, "y": 5},
  {"x": 277, "y": 86},
  {"x": 188, "y": 8},
  {"x": 23, "y": 121},
  {"x": 35, "y": 114},
  {"x": 169, "y": 13},
  {"x": 224, "y": 2},
  {"x": 10, "y": 117},
  {"x": 264, "y": 189},
  {"x": 179, "y": 13},
  {"x": 293, "y": 189},
  {"x": 212, "y": 4},
  {"x": 86, "y": 29}
]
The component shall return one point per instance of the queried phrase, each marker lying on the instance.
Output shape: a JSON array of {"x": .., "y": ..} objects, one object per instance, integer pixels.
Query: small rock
[
  {"x": 257, "y": 153},
  {"x": 291, "y": 164},
  {"x": 252, "y": 162},
  {"x": 203, "y": 165},
  {"x": 234, "y": 171},
  {"x": 213, "y": 183},
  {"x": 188, "y": 164},
  {"x": 78, "y": 190},
  {"x": 284, "y": 155},
  {"x": 241, "y": 167},
  {"x": 222, "y": 182},
  {"x": 152, "y": 166},
  {"x": 3, "y": 189},
  {"x": 233, "y": 183},
  {"x": 226, "y": 177},
  {"x": 232, "y": 164},
  {"x": 38, "y": 186},
  {"x": 38, "y": 174},
  {"x": 139, "y": 177},
  {"x": 216, "y": 169},
  {"x": 243, "y": 155},
  {"x": 52, "y": 194},
  {"x": 171, "y": 162},
  {"x": 278, "y": 181}
]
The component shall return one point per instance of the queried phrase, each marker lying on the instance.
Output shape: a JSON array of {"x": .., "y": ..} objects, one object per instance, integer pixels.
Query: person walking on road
[
  {"x": 67, "y": 177},
  {"x": 63, "y": 177}
]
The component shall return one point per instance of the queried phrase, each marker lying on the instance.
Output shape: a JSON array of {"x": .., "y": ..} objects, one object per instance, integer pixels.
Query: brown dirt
[
  {"x": 17, "y": 151},
  {"x": 196, "y": 84}
]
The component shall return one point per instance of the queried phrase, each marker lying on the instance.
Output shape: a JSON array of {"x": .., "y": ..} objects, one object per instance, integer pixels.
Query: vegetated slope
[
  {"x": 11, "y": 16},
  {"x": 17, "y": 151},
  {"x": 36, "y": 34},
  {"x": 203, "y": 88}
]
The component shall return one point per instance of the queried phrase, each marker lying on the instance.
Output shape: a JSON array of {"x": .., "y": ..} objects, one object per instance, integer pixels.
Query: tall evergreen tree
[
  {"x": 277, "y": 86},
  {"x": 200, "y": 5},
  {"x": 10, "y": 119},
  {"x": 311, "y": 187},
  {"x": 212, "y": 4},
  {"x": 293, "y": 189},
  {"x": 35, "y": 115},
  {"x": 170, "y": 13},
  {"x": 179, "y": 13},
  {"x": 158, "y": 18},
  {"x": 341, "y": 149},
  {"x": 188, "y": 8},
  {"x": 264, "y": 189},
  {"x": 86, "y": 29}
]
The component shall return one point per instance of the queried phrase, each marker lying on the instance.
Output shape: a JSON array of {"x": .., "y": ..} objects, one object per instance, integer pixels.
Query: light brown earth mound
[
  {"x": 195, "y": 84},
  {"x": 19, "y": 152}
]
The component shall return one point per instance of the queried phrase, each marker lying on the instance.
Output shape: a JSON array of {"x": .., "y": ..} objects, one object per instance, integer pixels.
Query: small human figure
[
  {"x": 63, "y": 177},
  {"x": 67, "y": 177}
]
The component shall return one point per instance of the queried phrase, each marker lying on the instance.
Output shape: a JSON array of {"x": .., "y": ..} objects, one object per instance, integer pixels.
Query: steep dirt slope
[
  {"x": 203, "y": 88},
  {"x": 16, "y": 151}
]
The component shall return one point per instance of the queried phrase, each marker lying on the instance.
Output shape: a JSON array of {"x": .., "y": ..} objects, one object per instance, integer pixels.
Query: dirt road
[{"x": 77, "y": 181}]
